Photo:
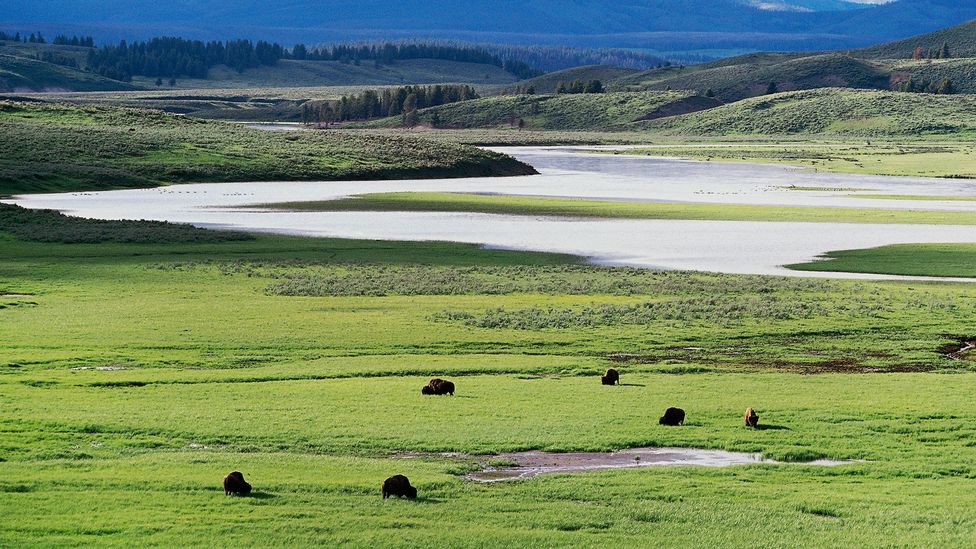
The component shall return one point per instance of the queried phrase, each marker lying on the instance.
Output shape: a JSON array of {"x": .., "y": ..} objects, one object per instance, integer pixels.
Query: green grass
[
  {"x": 952, "y": 260},
  {"x": 134, "y": 375},
  {"x": 574, "y": 207},
  {"x": 833, "y": 111},
  {"x": 57, "y": 147},
  {"x": 25, "y": 74},
  {"x": 594, "y": 112},
  {"x": 549, "y": 82}
]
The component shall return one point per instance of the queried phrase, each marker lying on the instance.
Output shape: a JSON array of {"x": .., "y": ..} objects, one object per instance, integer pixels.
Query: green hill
[
  {"x": 23, "y": 74},
  {"x": 750, "y": 75},
  {"x": 57, "y": 147},
  {"x": 598, "y": 111},
  {"x": 832, "y": 112},
  {"x": 961, "y": 40},
  {"x": 547, "y": 83}
]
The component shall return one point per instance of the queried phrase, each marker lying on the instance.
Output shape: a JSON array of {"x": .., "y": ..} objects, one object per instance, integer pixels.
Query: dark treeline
[
  {"x": 942, "y": 87},
  {"x": 176, "y": 57},
  {"x": 578, "y": 86},
  {"x": 82, "y": 41},
  {"x": 404, "y": 101},
  {"x": 32, "y": 38},
  {"x": 387, "y": 53}
]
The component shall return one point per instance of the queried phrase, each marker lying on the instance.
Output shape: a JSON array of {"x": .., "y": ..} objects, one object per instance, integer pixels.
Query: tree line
[
  {"x": 578, "y": 86},
  {"x": 33, "y": 38},
  {"x": 404, "y": 101},
  {"x": 171, "y": 57},
  {"x": 940, "y": 53},
  {"x": 941, "y": 87}
]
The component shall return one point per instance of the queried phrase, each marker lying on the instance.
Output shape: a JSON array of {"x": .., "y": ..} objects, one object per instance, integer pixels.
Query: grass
[
  {"x": 133, "y": 376},
  {"x": 951, "y": 260},
  {"x": 25, "y": 74},
  {"x": 56, "y": 147},
  {"x": 573, "y": 207}
]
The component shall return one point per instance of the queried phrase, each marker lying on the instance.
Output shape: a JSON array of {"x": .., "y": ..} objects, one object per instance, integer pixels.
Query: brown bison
[
  {"x": 672, "y": 417},
  {"x": 234, "y": 483},
  {"x": 750, "y": 418},
  {"x": 438, "y": 386},
  {"x": 399, "y": 486},
  {"x": 612, "y": 377}
]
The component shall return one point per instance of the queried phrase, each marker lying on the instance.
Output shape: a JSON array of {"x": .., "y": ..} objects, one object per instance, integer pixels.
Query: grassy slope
[
  {"x": 834, "y": 112},
  {"x": 750, "y": 75},
  {"x": 221, "y": 375},
  {"x": 609, "y": 111},
  {"x": 21, "y": 74},
  {"x": 954, "y": 260},
  {"x": 961, "y": 72},
  {"x": 547, "y": 83},
  {"x": 61, "y": 148},
  {"x": 961, "y": 39},
  {"x": 523, "y": 205},
  {"x": 334, "y": 73}
]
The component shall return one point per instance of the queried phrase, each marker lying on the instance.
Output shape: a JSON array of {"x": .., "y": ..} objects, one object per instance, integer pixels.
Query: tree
[
  {"x": 772, "y": 88},
  {"x": 709, "y": 93},
  {"x": 918, "y": 53},
  {"x": 530, "y": 90},
  {"x": 410, "y": 117},
  {"x": 945, "y": 87},
  {"x": 159, "y": 82},
  {"x": 593, "y": 86},
  {"x": 521, "y": 124},
  {"x": 172, "y": 82},
  {"x": 944, "y": 53},
  {"x": 561, "y": 87}
]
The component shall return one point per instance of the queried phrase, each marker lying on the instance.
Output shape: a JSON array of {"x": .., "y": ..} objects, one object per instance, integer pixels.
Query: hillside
[
  {"x": 56, "y": 147},
  {"x": 961, "y": 40},
  {"x": 547, "y": 83},
  {"x": 22, "y": 74},
  {"x": 678, "y": 25},
  {"x": 599, "y": 111},
  {"x": 833, "y": 111},
  {"x": 748, "y": 76}
]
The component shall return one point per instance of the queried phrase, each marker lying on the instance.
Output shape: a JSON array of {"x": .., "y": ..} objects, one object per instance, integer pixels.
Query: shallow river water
[{"x": 719, "y": 246}]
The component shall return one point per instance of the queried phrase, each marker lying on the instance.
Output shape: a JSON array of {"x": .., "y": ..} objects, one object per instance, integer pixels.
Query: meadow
[
  {"x": 59, "y": 147},
  {"x": 134, "y": 375}
]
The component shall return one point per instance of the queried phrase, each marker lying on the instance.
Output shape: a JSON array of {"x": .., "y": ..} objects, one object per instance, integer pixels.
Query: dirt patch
[
  {"x": 3, "y": 294},
  {"x": 956, "y": 351},
  {"x": 534, "y": 463}
]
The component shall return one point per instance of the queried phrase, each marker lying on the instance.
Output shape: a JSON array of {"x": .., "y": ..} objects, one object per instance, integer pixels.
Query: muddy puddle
[
  {"x": 534, "y": 463},
  {"x": 2, "y": 294}
]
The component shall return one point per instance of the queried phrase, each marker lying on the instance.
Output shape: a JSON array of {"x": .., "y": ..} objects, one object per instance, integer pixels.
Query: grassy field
[
  {"x": 952, "y": 260},
  {"x": 528, "y": 205},
  {"x": 906, "y": 157},
  {"x": 23, "y": 74},
  {"x": 56, "y": 147},
  {"x": 133, "y": 376}
]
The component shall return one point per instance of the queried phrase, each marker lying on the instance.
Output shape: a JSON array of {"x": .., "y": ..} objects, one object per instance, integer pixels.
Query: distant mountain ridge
[{"x": 685, "y": 24}]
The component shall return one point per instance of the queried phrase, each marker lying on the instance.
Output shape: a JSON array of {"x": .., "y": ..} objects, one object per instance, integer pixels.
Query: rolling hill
[
  {"x": 961, "y": 40},
  {"x": 547, "y": 83},
  {"x": 22, "y": 74},
  {"x": 600, "y": 111},
  {"x": 832, "y": 111}
]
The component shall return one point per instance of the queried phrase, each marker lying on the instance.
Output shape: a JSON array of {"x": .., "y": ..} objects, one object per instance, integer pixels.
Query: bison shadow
[
  {"x": 768, "y": 427},
  {"x": 632, "y": 385}
]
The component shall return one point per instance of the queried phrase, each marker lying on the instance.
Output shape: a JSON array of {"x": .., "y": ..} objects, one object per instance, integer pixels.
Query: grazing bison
[
  {"x": 399, "y": 486},
  {"x": 234, "y": 483},
  {"x": 612, "y": 377},
  {"x": 438, "y": 386},
  {"x": 750, "y": 418},
  {"x": 672, "y": 417}
]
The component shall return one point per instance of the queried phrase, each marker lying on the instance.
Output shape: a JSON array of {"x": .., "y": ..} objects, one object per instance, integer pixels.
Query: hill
[
  {"x": 750, "y": 75},
  {"x": 668, "y": 25},
  {"x": 547, "y": 83},
  {"x": 56, "y": 147},
  {"x": 832, "y": 111},
  {"x": 598, "y": 111},
  {"x": 23, "y": 74},
  {"x": 961, "y": 40}
]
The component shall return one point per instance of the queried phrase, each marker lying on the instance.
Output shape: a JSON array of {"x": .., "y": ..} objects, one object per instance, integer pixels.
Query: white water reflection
[{"x": 722, "y": 246}]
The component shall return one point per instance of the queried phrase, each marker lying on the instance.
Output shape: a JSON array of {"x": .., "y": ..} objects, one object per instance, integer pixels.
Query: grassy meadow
[
  {"x": 947, "y": 260},
  {"x": 135, "y": 374},
  {"x": 59, "y": 147}
]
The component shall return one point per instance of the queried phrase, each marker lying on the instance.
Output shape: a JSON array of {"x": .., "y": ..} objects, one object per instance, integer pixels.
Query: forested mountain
[{"x": 670, "y": 25}]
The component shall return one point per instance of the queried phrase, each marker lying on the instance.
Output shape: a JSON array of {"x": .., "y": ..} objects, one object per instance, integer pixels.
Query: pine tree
[
  {"x": 944, "y": 52},
  {"x": 772, "y": 88}
]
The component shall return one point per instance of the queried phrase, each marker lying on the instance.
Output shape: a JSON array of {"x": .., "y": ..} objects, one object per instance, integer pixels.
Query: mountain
[{"x": 669, "y": 25}]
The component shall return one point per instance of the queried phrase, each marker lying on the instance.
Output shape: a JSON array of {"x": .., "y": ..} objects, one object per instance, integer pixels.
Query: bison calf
[
  {"x": 612, "y": 377},
  {"x": 234, "y": 483},
  {"x": 750, "y": 418},
  {"x": 399, "y": 486},
  {"x": 672, "y": 417},
  {"x": 438, "y": 386}
]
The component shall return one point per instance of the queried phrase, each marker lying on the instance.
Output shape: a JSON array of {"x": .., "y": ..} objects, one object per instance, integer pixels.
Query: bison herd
[{"x": 399, "y": 485}]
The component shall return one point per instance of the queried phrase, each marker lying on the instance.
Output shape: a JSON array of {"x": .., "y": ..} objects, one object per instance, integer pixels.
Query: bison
[
  {"x": 612, "y": 377},
  {"x": 672, "y": 417},
  {"x": 234, "y": 483},
  {"x": 399, "y": 486},
  {"x": 438, "y": 386},
  {"x": 750, "y": 418}
]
